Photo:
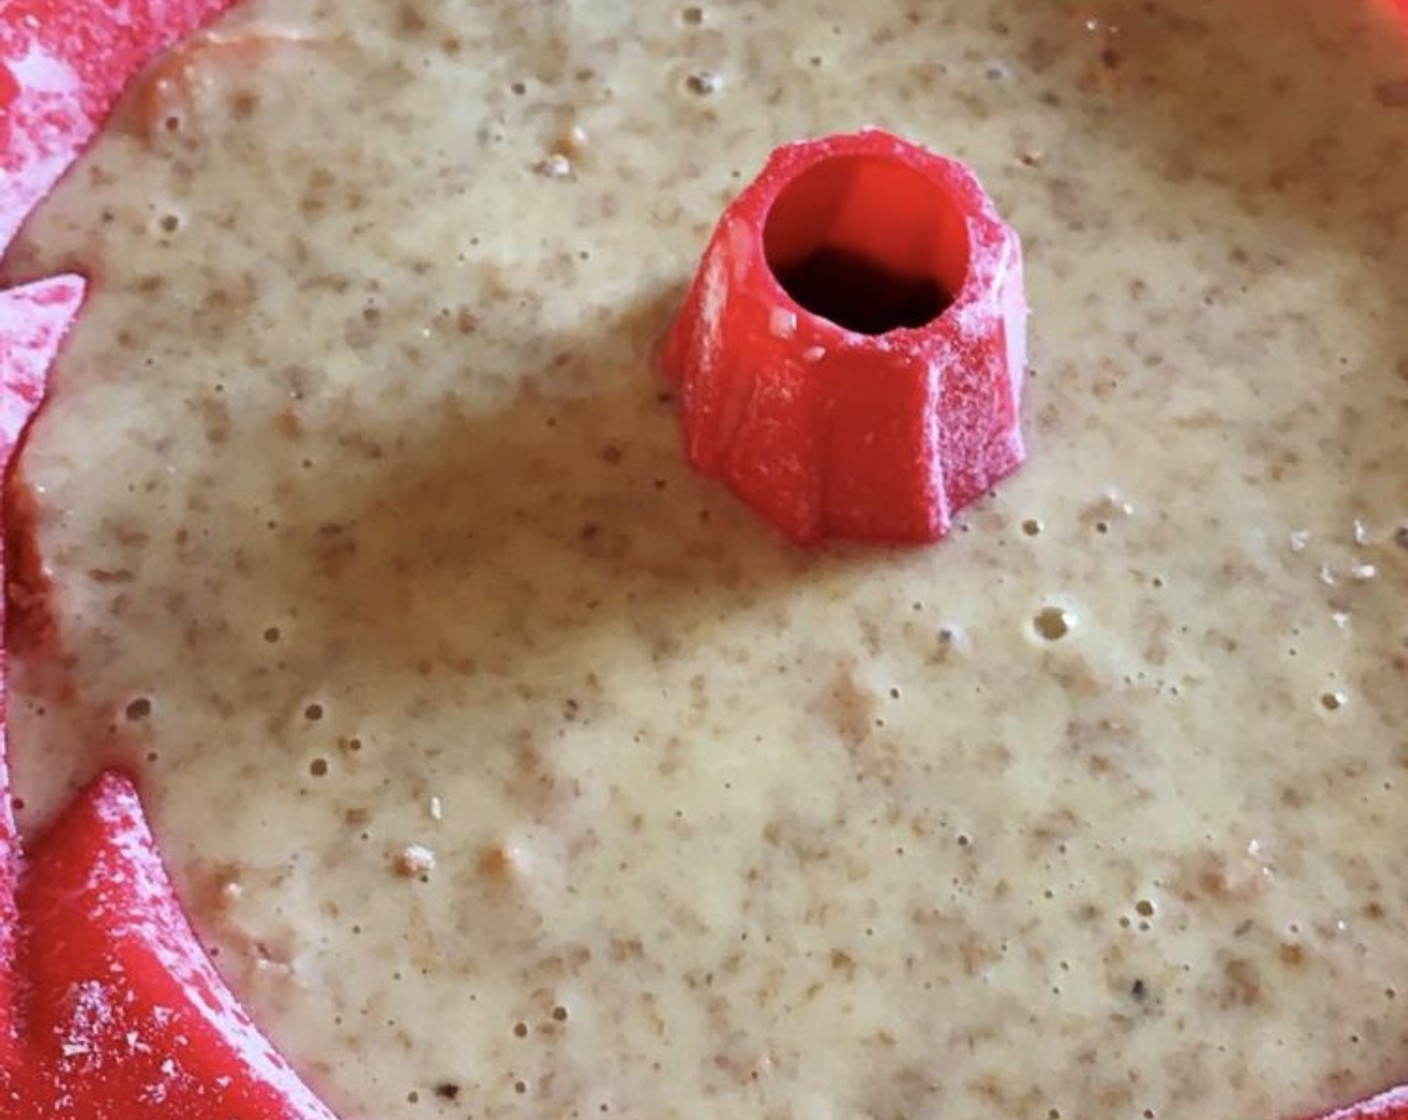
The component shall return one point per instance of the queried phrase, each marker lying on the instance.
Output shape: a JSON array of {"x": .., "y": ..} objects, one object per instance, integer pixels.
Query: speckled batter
[{"x": 511, "y": 770}]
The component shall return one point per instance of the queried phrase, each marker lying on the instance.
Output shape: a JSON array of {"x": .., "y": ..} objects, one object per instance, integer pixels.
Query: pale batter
[{"x": 512, "y": 770}]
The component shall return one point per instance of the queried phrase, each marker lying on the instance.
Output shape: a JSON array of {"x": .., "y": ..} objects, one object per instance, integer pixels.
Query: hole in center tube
[{"x": 869, "y": 243}]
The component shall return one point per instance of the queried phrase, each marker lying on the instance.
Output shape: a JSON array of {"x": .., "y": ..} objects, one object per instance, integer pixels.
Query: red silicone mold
[{"x": 109, "y": 1008}]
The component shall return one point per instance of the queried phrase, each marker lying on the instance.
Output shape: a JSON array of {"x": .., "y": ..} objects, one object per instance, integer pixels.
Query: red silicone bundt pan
[{"x": 109, "y": 1009}]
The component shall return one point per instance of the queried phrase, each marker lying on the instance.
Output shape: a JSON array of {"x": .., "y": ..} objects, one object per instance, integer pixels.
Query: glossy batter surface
[{"x": 511, "y": 770}]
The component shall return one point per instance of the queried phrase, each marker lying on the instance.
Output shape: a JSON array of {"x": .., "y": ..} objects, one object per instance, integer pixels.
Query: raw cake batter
[{"x": 512, "y": 770}]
